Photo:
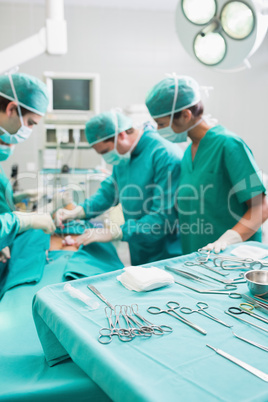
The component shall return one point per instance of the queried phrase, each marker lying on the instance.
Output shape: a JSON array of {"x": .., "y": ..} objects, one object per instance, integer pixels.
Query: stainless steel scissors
[
  {"x": 172, "y": 307},
  {"x": 106, "y": 334},
  {"x": 201, "y": 307},
  {"x": 246, "y": 308}
]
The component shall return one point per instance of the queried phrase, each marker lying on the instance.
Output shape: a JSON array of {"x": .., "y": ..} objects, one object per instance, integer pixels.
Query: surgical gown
[
  {"x": 214, "y": 188},
  {"x": 146, "y": 188},
  {"x": 9, "y": 227},
  {"x": 6, "y": 193}
]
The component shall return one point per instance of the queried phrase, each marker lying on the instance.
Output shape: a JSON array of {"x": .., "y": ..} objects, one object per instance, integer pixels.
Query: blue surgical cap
[
  {"x": 32, "y": 93},
  {"x": 159, "y": 100},
  {"x": 106, "y": 125}
]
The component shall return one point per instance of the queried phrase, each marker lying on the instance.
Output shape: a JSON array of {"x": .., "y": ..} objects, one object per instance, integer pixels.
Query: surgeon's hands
[
  {"x": 4, "y": 254},
  {"x": 101, "y": 235},
  {"x": 63, "y": 215},
  {"x": 35, "y": 221},
  {"x": 228, "y": 238}
]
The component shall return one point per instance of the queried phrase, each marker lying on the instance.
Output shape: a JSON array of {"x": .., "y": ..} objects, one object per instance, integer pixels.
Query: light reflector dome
[
  {"x": 210, "y": 49},
  {"x": 237, "y": 19},
  {"x": 199, "y": 11}
]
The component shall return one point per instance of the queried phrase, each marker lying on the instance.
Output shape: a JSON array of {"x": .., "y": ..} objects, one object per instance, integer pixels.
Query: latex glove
[
  {"x": 63, "y": 215},
  {"x": 34, "y": 220},
  {"x": 101, "y": 235},
  {"x": 228, "y": 238},
  {"x": 32, "y": 194},
  {"x": 4, "y": 254}
]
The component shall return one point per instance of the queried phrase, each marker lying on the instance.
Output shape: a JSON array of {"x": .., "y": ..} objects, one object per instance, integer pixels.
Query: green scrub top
[
  {"x": 9, "y": 227},
  {"x": 146, "y": 188},
  {"x": 214, "y": 188},
  {"x": 6, "y": 193}
]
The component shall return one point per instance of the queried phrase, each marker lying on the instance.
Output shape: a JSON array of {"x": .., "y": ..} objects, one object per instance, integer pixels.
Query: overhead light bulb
[
  {"x": 199, "y": 11},
  {"x": 237, "y": 19},
  {"x": 210, "y": 48}
]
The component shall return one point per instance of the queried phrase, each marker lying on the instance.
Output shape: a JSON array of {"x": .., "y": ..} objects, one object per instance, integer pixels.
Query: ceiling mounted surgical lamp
[{"x": 219, "y": 33}]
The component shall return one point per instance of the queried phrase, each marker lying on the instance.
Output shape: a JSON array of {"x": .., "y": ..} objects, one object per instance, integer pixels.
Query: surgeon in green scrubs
[
  {"x": 221, "y": 196},
  {"x": 144, "y": 180},
  {"x": 23, "y": 101}
]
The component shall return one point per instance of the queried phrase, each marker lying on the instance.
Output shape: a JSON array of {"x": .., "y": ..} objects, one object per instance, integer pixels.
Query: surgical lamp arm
[{"x": 51, "y": 39}]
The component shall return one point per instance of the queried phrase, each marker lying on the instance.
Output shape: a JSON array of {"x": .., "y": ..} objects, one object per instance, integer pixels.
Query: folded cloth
[
  {"x": 245, "y": 251},
  {"x": 144, "y": 279}
]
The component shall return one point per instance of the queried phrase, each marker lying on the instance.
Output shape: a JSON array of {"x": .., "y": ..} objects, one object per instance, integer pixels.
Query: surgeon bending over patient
[
  {"x": 145, "y": 175},
  {"x": 221, "y": 196}
]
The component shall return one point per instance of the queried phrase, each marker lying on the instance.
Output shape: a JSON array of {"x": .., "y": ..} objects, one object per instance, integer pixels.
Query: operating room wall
[{"x": 131, "y": 50}]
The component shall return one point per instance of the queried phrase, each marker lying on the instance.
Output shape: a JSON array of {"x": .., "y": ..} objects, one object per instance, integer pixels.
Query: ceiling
[{"x": 167, "y": 5}]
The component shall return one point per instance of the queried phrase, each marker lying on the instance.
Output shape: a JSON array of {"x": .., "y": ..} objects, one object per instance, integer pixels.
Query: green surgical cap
[
  {"x": 106, "y": 125},
  {"x": 159, "y": 100},
  {"x": 32, "y": 93}
]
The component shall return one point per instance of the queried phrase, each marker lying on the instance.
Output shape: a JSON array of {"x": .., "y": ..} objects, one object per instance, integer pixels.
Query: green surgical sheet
[
  {"x": 174, "y": 367},
  {"x": 24, "y": 373}
]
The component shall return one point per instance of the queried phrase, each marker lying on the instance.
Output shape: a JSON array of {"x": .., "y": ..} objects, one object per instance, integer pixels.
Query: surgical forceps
[
  {"x": 138, "y": 330},
  {"x": 231, "y": 263},
  {"x": 232, "y": 295},
  {"x": 172, "y": 307},
  {"x": 247, "y": 322},
  {"x": 203, "y": 265},
  {"x": 201, "y": 307},
  {"x": 246, "y": 308},
  {"x": 106, "y": 334},
  {"x": 156, "y": 329}
]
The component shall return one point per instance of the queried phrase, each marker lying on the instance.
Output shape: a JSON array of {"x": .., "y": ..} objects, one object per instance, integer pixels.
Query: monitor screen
[{"x": 71, "y": 94}]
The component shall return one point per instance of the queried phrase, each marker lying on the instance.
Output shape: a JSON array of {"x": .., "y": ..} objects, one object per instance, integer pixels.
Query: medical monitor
[{"x": 73, "y": 96}]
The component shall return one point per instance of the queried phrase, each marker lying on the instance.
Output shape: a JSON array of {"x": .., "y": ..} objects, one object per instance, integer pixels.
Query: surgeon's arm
[
  {"x": 104, "y": 198},
  {"x": 9, "y": 227},
  {"x": 255, "y": 216}
]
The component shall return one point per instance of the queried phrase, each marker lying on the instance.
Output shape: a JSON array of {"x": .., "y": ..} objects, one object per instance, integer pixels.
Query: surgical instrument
[
  {"x": 164, "y": 328},
  {"x": 244, "y": 310},
  {"x": 248, "y": 322},
  {"x": 201, "y": 307},
  {"x": 192, "y": 275},
  {"x": 205, "y": 255},
  {"x": 187, "y": 275},
  {"x": 106, "y": 334},
  {"x": 172, "y": 307},
  {"x": 258, "y": 305},
  {"x": 138, "y": 330},
  {"x": 232, "y": 263},
  {"x": 202, "y": 265},
  {"x": 252, "y": 343},
  {"x": 100, "y": 296},
  {"x": 232, "y": 295},
  {"x": 263, "y": 376}
]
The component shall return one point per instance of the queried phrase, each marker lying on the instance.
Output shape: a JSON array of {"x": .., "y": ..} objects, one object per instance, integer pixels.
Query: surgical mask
[
  {"x": 169, "y": 134},
  {"x": 23, "y": 132},
  {"x": 114, "y": 157},
  {"x": 6, "y": 152}
]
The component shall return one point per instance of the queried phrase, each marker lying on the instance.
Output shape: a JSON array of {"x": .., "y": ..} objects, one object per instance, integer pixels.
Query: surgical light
[
  {"x": 237, "y": 19},
  {"x": 220, "y": 33},
  {"x": 199, "y": 11},
  {"x": 210, "y": 49}
]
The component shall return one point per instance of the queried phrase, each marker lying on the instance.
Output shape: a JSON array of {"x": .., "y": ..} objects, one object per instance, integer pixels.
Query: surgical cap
[
  {"x": 106, "y": 125},
  {"x": 159, "y": 100},
  {"x": 32, "y": 93}
]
